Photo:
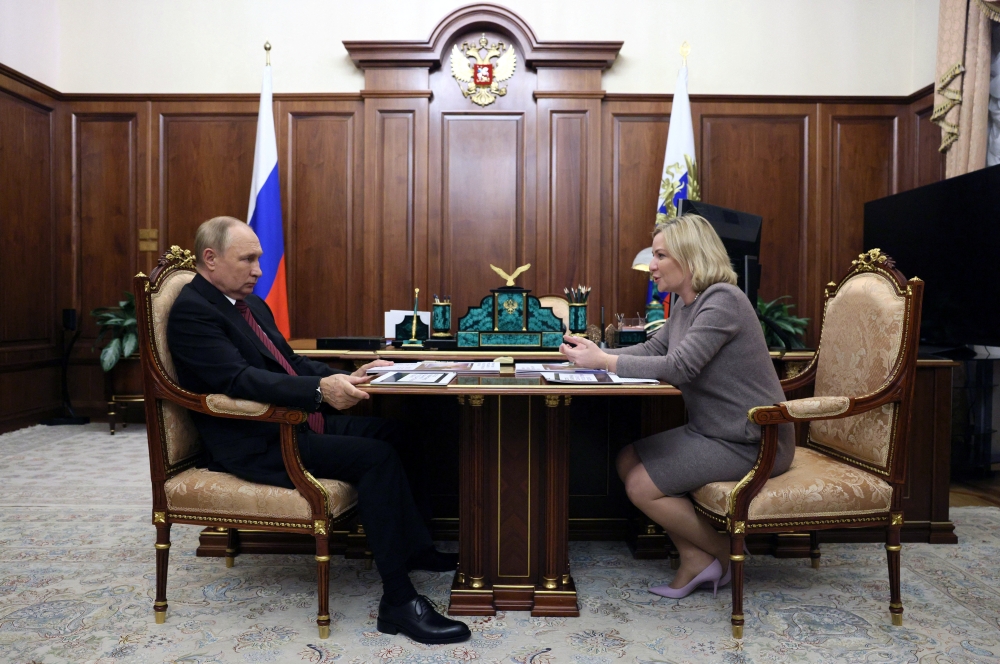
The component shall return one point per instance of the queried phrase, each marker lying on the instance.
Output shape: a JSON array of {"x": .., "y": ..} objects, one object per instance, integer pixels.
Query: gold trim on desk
[
  {"x": 307, "y": 347},
  {"x": 500, "y": 485}
]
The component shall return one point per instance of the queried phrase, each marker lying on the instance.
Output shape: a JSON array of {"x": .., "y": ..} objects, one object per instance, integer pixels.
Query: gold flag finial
[
  {"x": 685, "y": 49},
  {"x": 267, "y": 53}
]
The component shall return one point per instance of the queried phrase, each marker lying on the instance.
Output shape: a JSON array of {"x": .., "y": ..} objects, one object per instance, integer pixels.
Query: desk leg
[
  {"x": 514, "y": 507},
  {"x": 558, "y": 594},
  {"x": 470, "y": 595}
]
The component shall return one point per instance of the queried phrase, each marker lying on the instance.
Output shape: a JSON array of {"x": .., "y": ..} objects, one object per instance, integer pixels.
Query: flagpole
[{"x": 267, "y": 53}]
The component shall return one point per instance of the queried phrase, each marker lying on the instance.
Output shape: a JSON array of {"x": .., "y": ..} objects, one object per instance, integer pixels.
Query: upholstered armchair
[
  {"x": 850, "y": 470},
  {"x": 185, "y": 494}
]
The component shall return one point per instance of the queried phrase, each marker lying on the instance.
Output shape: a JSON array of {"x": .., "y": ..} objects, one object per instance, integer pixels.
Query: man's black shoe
[{"x": 418, "y": 620}]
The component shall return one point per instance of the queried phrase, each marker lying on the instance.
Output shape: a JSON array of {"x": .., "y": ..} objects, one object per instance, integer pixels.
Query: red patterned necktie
[{"x": 316, "y": 422}]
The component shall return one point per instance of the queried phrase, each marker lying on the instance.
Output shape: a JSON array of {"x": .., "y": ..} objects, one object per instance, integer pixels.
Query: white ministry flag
[{"x": 680, "y": 168}]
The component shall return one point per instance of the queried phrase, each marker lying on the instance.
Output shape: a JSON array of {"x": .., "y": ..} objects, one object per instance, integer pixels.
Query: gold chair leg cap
[
  {"x": 324, "y": 631},
  {"x": 815, "y": 563},
  {"x": 230, "y": 562},
  {"x": 161, "y": 617},
  {"x": 737, "y": 631},
  {"x": 897, "y": 619}
]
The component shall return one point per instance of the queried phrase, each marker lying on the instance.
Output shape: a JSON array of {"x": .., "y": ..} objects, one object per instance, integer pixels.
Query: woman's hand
[{"x": 584, "y": 353}]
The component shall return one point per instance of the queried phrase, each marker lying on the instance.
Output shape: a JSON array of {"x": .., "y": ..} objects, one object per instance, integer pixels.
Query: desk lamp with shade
[{"x": 655, "y": 310}]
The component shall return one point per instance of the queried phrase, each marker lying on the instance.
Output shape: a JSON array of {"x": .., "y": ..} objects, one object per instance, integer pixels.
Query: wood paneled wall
[
  {"x": 31, "y": 132},
  {"x": 406, "y": 184}
]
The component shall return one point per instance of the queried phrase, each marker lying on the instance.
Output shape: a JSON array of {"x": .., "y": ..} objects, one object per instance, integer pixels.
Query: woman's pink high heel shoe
[{"x": 710, "y": 574}]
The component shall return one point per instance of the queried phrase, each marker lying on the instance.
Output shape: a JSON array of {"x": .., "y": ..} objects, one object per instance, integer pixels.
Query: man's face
[{"x": 235, "y": 271}]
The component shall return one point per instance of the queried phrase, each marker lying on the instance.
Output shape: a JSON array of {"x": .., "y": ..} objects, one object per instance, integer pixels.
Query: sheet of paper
[
  {"x": 574, "y": 377},
  {"x": 421, "y": 378},
  {"x": 458, "y": 367},
  {"x": 398, "y": 366},
  {"x": 398, "y": 378},
  {"x": 539, "y": 368},
  {"x": 632, "y": 381}
]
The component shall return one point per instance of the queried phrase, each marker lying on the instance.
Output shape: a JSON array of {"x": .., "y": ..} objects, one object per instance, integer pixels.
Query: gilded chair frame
[
  {"x": 897, "y": 389},
  {"x": 158, "y": 388}
]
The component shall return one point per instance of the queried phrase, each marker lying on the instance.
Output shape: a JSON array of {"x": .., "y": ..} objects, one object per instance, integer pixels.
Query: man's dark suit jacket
[{"x": 216, "y": 352}]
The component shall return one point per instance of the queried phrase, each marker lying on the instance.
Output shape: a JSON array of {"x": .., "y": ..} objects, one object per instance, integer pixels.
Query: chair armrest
[
  {"x": 813, "y": 408},
  {"x": 220, "y": 405},
  {"x": 821, "y": 408}
]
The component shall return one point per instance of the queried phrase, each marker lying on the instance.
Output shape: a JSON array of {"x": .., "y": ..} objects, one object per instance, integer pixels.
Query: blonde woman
[{"x": 713, "y": 350}]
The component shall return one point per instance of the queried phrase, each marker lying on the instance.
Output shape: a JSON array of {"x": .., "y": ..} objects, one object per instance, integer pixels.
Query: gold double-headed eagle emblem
[{"x": 480, "y": 80}]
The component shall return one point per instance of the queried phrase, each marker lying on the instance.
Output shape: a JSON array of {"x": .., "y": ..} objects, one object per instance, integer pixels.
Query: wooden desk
[
  {"x": 591, "y": 516},
  {"x": 597, "y": 506},
  {"x": 513, "y": 521}
]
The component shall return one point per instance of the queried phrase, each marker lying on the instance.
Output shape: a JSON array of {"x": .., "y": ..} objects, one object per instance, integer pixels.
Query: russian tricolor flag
[{"x": 264, "y": 215}]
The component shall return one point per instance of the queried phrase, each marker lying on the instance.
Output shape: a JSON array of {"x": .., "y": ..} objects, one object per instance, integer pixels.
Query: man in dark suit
[{"x": 224, "y": 340}]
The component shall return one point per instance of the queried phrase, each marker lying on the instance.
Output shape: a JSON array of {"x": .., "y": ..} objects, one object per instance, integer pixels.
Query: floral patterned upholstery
[
  {"x": 817, "y": 406},
  {"x": 220, "y": 403},
  {"x": 180, "y": 438},
  {"x": 199, "y": 491},
  {"x": 860, "y": 342},
  {"x": 814, "y": 486}
]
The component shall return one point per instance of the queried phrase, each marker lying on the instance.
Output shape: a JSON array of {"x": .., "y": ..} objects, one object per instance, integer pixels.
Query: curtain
[
  {"x": 962, "y": 88},
  {"x": 993, "y": 144}
]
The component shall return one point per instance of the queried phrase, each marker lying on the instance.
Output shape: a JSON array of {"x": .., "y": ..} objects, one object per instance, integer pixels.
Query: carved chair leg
[
  {"x": 736, "y": 558},
  {"x": 892, "y": 549},
  {"x": 323, "y": 580},
  {"x": 111, "y": 416},
  {"x": 232, "y": 546},
  {"x": 814, "y": 548},
  {"x": 162, "y": 557}
]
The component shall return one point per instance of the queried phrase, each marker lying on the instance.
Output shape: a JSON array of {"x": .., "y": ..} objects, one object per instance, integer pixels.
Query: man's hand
[
  {"x": 363, "y": 369},
  {"x": 340, "y": 392},
  {"x": 584, "y": 353}
]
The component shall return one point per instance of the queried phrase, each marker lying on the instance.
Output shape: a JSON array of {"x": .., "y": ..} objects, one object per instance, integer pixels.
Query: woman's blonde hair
[{"x": 692, "y": 241}]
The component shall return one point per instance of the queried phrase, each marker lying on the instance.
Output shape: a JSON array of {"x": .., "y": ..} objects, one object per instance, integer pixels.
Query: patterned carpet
[{"x": 76, "y": 585}]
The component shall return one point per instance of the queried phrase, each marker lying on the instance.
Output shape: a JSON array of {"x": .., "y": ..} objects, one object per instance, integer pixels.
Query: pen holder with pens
[
  {"x": 441, "y": 319},
  {"x": 578, "y": 319}
]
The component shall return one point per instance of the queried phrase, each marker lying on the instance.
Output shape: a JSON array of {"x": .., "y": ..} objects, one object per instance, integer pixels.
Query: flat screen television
[
  {"x": 948, "y": 234},
  {"x": 740, "y": 235}
]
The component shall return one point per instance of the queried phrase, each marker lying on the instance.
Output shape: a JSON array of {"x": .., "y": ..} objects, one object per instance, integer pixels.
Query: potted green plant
[
  {"x": 120, "y": 323},
  {"x": 781, "y": 328}
]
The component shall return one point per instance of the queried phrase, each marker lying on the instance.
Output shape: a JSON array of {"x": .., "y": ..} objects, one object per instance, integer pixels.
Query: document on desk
[
  {"x": 415, "y": 378},
  {"x": 398, "y": 366},
  {"x": 632, "y": 381},
  {"x": 594, "y": 378},
  {"x": 459, "y": 367},
  {"x": 437, "y": 367},
  {"x": 575, "y": 378},
  {"x": 547, "y": 367}
]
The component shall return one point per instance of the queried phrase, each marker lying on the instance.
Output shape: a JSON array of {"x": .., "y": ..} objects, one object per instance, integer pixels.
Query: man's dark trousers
[{"x": 360, "y": 451}]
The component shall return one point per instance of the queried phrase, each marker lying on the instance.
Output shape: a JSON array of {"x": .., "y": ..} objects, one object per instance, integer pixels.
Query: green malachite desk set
[{"x": 510, "y": 318}]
